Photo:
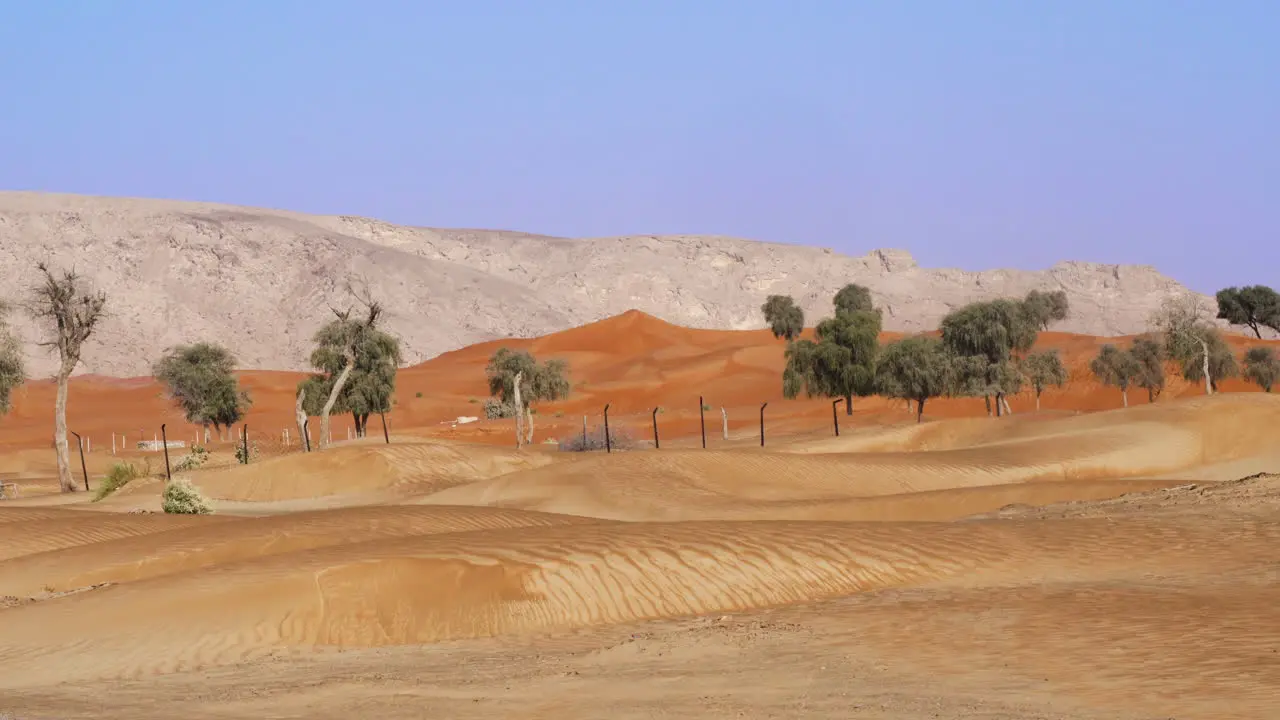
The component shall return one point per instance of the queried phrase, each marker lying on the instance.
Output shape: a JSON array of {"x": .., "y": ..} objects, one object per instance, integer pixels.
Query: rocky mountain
[{"x": 261, "y": 281}]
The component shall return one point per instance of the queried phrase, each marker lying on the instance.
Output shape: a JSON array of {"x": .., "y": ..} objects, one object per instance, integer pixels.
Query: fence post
[
  {"x": 655, "y": 429},
  {"x": 83, "y": 469},
  {"x": 762, "y": 407},
  {"x": 584, "y": 432},
  {"x": 245, "y": 442},
  {"x": 306, "y": 434},
  {"x": 386, "y": 436},
  {"x": 834, "y": 417},
  {"x": 168, "y": 477},
  {"x": 702, "y": 418},
  {"x": 608, "y": 444}
]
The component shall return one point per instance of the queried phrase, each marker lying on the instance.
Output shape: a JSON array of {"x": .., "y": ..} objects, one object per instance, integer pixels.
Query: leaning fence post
[
  {"x": 245, "y": 442},
  {"x": 83, "y": 469},
  {"x": 168, "y": 477},
  {"x": 834, "y": 417},
  {"x": 702, "y": 419},
  {"x": 608, "y": 444},
  {"x": 655, "y": 429},
  {"x": 762, "y": 407}
]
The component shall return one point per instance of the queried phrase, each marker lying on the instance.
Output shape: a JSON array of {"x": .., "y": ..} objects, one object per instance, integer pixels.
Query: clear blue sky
[{"x": 974, "y": 134}]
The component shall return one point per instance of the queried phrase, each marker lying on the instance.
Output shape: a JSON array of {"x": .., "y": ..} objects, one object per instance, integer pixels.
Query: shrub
[
  {"x": 619, "y": 438},
  {"x": 418, "y": 394},
  {"x": 495, "y": 409},
  {"x": 253, "y": 452},
  {"x": 182, "y": 498},
  {"x": 118, "y": 476},
  {"x": 197, "y": 457}
]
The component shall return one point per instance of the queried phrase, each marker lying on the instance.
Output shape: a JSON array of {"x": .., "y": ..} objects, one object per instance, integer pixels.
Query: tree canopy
[
  {"x": 1254, "y": 306},
  {"x": 518, "y": 380},
  {"x": 12, "y": 370},
  {"x": 853, "y": 298},
  {"x": 1117, "y": 368},
  {"x": 841, "y": 364},
  {"x": 1222, "y": 361},
  {"x": 200, "y": 379},
  {"x": 915, "y": 368},
  {"x": 785, "y": 318},
  {"x": 1189, "y": 339},
  {"x": 370, "y": 384},
  {"x": 992, "y": 335},
  {"x": 1262, "y": 367},
  {"x": 1043, "y": 370},
  {"x": 1150, "y": 358}
]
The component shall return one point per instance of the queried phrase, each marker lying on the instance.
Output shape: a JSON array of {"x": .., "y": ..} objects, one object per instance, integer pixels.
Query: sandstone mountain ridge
[{"x": 261, "y": 281}]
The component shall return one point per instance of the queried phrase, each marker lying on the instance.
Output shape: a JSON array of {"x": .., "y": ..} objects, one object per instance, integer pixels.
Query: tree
[
  {"x": 1183, "y": 323},
  {"x": 853, "y": 298},
  {"x": 12, "y": 370},
  {"x": 1117, "y": 368},
  {"x": 518, "y": 379},
  {"x": 1044, "y": 369},
  {"x": 999, "y": 332},
  {"x": 71, "y": 312},
  {"x": 1262, "y": 367},
  {"x": 370, "y": 383},
  {"x": 1222, "y": 362},
  {"x": 1046, "y": 308},
  {"x": 201, "y": 380},
  {"x": 337, "y": 344},
  {"x": 784, "y": 317},
  {"x": 1150, "y": 357},
  {"x": 915, "y": 368},
  {"x": 841, "y": 364},
  {"x": 1254, "y": 306}
]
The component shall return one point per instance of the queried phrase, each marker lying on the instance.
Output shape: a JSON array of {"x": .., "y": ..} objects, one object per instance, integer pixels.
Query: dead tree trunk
[
  {"x": 1005, "y": 400},
  {"x": 724, "y": 423},
  {"x": 65, "y": 481},
  {"x": 301, "y": 416},
  {"x": 1124, "y": 397},
  {"x": 1204, "y": 359}
]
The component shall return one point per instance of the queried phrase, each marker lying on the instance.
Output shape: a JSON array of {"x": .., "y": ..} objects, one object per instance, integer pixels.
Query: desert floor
[{"x": 1083, "y": 561}]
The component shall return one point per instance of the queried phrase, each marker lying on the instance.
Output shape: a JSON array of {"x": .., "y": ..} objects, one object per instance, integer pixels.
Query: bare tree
[
  {"x": 349, "y": 333},
  {"x": 300, "y": 415},
  {"x": 1188, "y": 332},
  {"x": 70, "y": 311}
]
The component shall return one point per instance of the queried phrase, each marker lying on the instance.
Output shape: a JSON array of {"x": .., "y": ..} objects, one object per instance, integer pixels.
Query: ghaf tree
[
  {"x": 518, "y": 380},
  {"x": 200, "y": 378},
  {"x": 70, "y": 312},
  {"x": 842, "y": 363},
  {"x": 12, "y": 370},
  {"x": 785, "y": 318}
]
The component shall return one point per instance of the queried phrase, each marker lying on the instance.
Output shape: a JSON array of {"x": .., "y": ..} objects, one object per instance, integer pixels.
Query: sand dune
[
  {"x": 42, "y": 535},
  {"x": 164, "y": 551},
  {"x": 460, "y": 585}
]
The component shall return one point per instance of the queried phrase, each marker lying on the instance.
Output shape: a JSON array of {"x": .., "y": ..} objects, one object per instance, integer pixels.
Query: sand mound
[
  {"x": 407, "y": 466},
  {"x": 43, "y": 535},
  {"x": 459, "y": 585},
  {"x": 1146, "y": 442},
  {"x": 163, "y": 551}
]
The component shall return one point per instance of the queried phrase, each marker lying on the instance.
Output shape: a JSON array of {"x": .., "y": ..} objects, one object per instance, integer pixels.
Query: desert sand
[{"x": 1082, "y": 561}]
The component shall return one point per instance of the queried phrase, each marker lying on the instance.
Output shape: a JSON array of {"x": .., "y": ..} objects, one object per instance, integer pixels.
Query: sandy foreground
[{"x": 1059, "y": 564}]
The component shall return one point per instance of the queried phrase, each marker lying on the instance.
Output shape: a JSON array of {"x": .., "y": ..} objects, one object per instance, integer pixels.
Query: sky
[{"x": 974, "y": 134}]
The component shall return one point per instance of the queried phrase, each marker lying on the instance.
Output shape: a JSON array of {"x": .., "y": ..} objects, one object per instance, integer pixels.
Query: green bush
[
  {"x": 240, "y": 456},
  {"x": 118, "y": 476},
  {"x": 182, "y": 498},
  {"x": 197, "y": 457},
  {"x": 495, "y": 409}
]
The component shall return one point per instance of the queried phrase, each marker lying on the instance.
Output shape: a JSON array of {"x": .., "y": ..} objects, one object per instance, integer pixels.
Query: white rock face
[{"x": 261, "y": 281}]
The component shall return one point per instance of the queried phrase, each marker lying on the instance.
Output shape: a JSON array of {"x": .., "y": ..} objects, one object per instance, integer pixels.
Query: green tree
[
  {"x": 1117, "y": 368},
  {"x": 12, "y": 370},
  {"x": 1191, "y": 340},
  {"x": 1253, "y": 306},
  {"x": 370, "y": 383},
  {"x": 997, "y": 334},
  {"x": 853, "y": 298},
  {"x": 1262, "y": 367},
  {"x": 519, "y": 380},
  {"x": 915, "y": 368},
  {"x": 337, "y": 346},
  {"x": 1044, "y": 369},
  {"x": 784, "y": 317},
  {"x": 201, "y": 380},
  {"x": 1046, "y": 308},
  {"x": 842, "y": 363},
  {"x": 1150, "y": 357},
  {"x": 1222, "y": 362},
  {"x": 70, "y": 312}
]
